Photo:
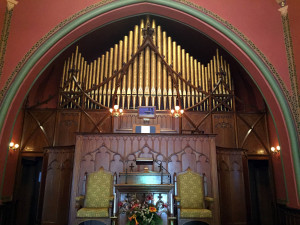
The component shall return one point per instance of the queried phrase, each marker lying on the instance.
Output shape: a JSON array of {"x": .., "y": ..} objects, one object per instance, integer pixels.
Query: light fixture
[
  {"x": 275, "y": 150},
  {"x": 13, "y": 146},
  {"x": 116, "y": 111},
  {"x": 177, "y": 112}
]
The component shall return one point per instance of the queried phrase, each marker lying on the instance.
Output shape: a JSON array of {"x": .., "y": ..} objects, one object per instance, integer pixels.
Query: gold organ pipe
[
  {"x": 80, "y": 74},
  {"x": 215, "y": 74},
  {"x": 78, "y": 70},
  {"x": 184, "y": 77},
  {"x": 120, "y": 61},
  {"x": 175, "y": 67},
  {"x": 69, "y": 84},
  {"x": 169, "y": 61},
  {"x": 201, "y": 97},
  {"x": 74, "y": 67},
  {"x": 226, "y": 77},
  {"x": 206, "y": 84},
  {"x": 188, "y": 78},
  {"x": 203, "y": 84},
  {"x": 212, "y": 76},
  {"x": 165, "y": 86},
  {"x": 63, "y": 81},
  {"x": 218, "y": 70},
  {"x": 159, "y": 68},
  {"x": 179, "y": 68},
  {"x": 229, "y": 79},
  {"x": 153, "y": 70},
  {"x": 110, "y": 73},
  {"x": 208, "y": 77},
  {"x": 106, "y": 76},
  {"x": 125, "y": 60},
  {"x": 147, "y": 76},
  {"x": 101, "y": 77},
  {"x": 129, "y": 80},
  {"x": 135, "y": 65},
  {"x": 192, "y": 79},
  {"x": 222, "y": 66},
  {"x": 98, "y": 78},
  {"x": 196, "y": 81},
  {"x": 141, "y": 66},
  {"x": 87, "y": 83},
  {"x": 70, "y": 74},
  {"x": 115, "y": 68}
]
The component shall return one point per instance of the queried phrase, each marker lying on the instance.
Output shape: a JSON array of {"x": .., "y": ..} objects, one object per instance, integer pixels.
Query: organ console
[{"x": 146, "y": 68}]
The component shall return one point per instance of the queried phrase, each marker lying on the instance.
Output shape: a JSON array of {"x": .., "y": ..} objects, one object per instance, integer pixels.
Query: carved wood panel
[
  {"x": 223, "y": 125},
  {"x": 116, "y": 152},
  {"x": 124, "y": 124},
  {"x": 58, "y": 185},
  {"x": 68, "y": 123},
  {"x": 231, "y": 186}
]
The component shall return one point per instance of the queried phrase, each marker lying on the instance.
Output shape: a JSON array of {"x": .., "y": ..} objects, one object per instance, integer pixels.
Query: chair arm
[
  {"x": 208, "y": 199},
  {"x": 209, "y": 202},
  {"x": 177, "y": 198},
  {"x": 177, "y": 201},
  {"x": 111, "y": 198},
  {"x": 79, "y": 202}
]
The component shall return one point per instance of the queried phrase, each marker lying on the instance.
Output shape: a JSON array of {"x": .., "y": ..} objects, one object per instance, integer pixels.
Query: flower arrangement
[{"x": 139, "y": 213}]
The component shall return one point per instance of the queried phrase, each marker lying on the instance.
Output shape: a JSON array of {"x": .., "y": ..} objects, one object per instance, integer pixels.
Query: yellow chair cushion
[
  {"x": 190, "y": 190},
  {"x": 195, "y": 213},
  {"x": 92, "y": 212},
  {"x": 98, "y": 190}
]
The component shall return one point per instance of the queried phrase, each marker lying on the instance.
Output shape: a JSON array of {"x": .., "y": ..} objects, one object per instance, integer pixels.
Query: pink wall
[
  {"x": 258, "y": 20},
  {"x": 294, "y": 18}
]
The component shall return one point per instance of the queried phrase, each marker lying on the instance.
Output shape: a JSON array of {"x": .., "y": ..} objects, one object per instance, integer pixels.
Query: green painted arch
[{"x": 292, "y": 130}]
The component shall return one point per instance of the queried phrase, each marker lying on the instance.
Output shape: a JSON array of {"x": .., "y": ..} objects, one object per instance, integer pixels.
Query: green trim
[{"x": 181, "y": 7}]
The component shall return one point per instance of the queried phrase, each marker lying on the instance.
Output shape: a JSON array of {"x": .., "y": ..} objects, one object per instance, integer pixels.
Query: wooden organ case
[{"x": 148, "y": 68}]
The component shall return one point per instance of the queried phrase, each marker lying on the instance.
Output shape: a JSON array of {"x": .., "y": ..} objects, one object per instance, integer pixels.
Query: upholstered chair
[
  {"x": 97, "y": 202},
  {"x": 191, "y": 202}
]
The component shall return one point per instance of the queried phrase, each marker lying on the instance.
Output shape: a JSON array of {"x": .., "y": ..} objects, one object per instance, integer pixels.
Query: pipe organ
[{"x": 145, "y": 68}]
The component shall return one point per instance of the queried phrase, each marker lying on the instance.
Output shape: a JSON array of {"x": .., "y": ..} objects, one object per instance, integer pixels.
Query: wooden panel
[
  {"x": 124, "y": 123},
  {"x": 252, "y": 133},
  {"x": 116, "y": 152},
  {"x": 38, "y": 130},
  {"x": 223, "y": 125},
  {"x": 58, "y": 185},
  {"x": 231, "y": 187},
  {"x": 197, "y": 118},
  {"x": 95, "y": 122},
  {"x": 67, "y": 125}
]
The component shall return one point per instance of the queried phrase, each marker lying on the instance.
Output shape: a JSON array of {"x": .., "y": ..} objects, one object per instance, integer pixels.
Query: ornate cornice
[
  {"x": 4, "y": 37},
  {"x": 294, "y": 98}
]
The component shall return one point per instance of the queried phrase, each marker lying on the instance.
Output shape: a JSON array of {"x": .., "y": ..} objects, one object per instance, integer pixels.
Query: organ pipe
[{"x": 155, "y": 74}]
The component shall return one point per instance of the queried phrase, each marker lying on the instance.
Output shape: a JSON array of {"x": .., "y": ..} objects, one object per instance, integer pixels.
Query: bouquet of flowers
[{"x": 143, "y": 213}]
